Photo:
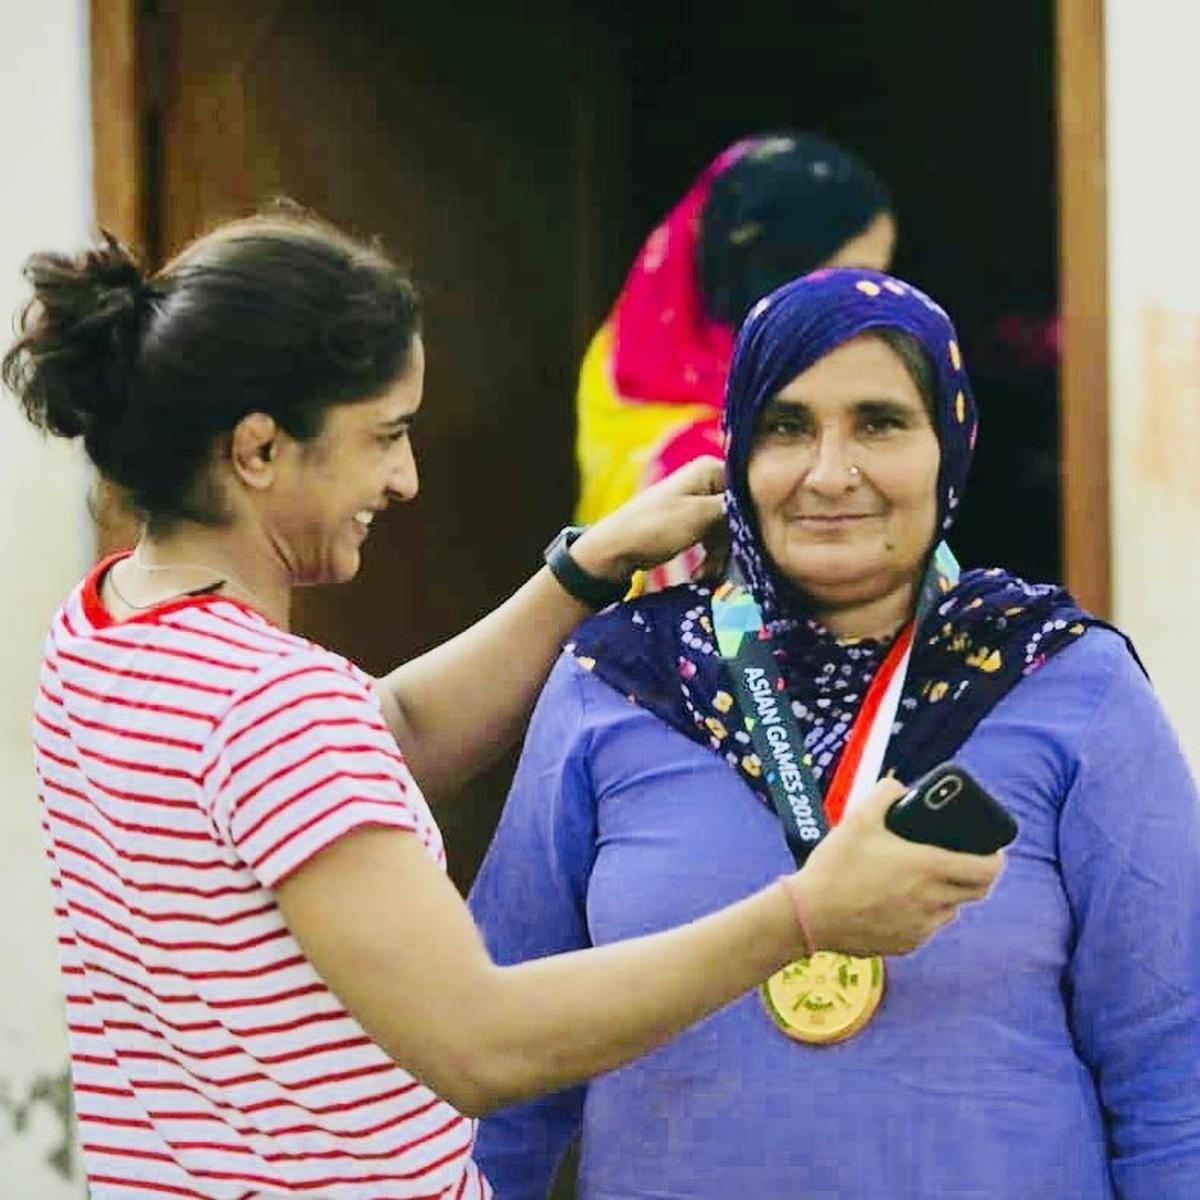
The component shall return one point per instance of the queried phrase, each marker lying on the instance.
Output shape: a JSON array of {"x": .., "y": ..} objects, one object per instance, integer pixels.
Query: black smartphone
[{"x": 946, "y": 807}]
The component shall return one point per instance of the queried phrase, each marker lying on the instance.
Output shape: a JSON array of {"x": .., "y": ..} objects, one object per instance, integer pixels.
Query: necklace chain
[{"x": 224, "y": 579}]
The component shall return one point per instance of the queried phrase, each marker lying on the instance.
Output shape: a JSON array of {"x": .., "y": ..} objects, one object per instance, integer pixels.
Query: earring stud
[{"x": 855, "y": 472}]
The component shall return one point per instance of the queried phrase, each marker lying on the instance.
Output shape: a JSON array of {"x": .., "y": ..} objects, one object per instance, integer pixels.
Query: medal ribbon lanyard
[{"x": 796, "y": 795}]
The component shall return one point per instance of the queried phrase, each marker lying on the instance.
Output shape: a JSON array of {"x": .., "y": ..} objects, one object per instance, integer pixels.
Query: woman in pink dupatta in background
[{"x": 768, "y": 208}]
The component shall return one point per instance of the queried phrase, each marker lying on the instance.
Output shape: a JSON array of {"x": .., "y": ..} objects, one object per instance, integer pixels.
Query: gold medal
[{"x": 826, "y": 998}]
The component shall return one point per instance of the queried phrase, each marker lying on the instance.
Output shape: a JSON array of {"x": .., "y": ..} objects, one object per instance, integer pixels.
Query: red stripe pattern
[{"x": 188, "y": 761}]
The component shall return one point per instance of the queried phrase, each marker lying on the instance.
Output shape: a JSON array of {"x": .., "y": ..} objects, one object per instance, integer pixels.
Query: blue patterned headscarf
[
  {"x": 784, "y": 335},
  {"x": 985, "y": 635}
]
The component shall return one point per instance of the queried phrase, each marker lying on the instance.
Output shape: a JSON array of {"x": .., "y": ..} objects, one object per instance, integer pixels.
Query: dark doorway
[{"x": 954, "y": 104}]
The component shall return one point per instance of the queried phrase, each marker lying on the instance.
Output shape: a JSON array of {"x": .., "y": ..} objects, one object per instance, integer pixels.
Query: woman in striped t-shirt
[{"x": 272, "y": 988}]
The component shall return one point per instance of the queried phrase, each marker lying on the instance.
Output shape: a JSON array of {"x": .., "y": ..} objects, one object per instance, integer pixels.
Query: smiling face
[
  {"x": 327, "y": 491},
  {"x": 843, "y": 479}
]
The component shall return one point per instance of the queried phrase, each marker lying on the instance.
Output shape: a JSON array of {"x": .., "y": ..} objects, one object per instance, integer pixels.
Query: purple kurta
[{"x": 1046, "y": 1045}]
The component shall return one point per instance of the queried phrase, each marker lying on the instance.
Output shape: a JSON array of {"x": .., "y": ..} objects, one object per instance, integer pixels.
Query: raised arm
[{"x": 448, "y": 725}]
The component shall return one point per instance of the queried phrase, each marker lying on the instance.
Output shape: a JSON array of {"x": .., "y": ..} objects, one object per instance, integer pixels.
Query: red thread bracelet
[{"x": 793, "y": 894}]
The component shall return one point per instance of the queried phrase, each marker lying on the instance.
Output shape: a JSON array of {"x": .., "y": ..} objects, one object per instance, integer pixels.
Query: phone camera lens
[{"x": 942, "y": 793}]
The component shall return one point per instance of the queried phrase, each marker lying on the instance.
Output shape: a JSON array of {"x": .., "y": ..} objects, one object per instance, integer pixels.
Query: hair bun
[{"x": 78, "y": 338}]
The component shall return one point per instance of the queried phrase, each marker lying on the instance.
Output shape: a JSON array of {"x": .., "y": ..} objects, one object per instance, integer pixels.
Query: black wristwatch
[{"x": 587, "y": 588}]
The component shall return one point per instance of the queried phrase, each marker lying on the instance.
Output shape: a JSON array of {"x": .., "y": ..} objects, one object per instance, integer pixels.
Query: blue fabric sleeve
[
  {"x": 1129, "y": 845},
  {"x": 529, "y": 901}
]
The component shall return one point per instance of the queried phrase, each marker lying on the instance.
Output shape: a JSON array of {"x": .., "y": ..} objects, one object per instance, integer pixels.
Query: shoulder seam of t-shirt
[{"x": 1117, "y": 652}]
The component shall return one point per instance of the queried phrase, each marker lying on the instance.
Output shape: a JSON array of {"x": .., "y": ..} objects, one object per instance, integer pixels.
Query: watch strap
[{"x": 587, "y": 588}]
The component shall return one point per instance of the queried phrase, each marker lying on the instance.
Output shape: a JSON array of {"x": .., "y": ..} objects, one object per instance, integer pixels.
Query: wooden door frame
[
  {"x": 120, "y": 162},
  {"x": 122, "y": 174},
  {"x": 1083, "y": 303}
]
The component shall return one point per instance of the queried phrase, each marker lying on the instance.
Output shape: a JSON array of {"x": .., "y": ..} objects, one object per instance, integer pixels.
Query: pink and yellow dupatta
[{"x": 653, "y": 379}]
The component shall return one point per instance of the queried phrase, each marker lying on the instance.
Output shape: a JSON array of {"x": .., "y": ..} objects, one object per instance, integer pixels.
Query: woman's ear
[{"x": 252, "y": 449}]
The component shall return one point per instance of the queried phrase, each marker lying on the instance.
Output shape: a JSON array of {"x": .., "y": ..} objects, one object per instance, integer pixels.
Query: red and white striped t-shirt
[{"x": 188, "y": 760}]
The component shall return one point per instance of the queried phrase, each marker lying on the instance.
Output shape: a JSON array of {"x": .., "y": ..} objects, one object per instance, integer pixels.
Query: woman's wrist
[
  {"x": 794, "y": 887},
  {"x": 594, "y": 551}
]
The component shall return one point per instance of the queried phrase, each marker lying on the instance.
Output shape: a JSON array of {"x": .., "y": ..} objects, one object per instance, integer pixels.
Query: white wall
[
  {"x": 1154, "y": 313},
  {"x": 45, "y": 543}
]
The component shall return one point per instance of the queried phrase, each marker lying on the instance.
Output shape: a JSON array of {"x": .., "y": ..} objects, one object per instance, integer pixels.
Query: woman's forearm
[
  {"x": 457, "y": 708},
  {"x": 533, "y": 1037},
  {"x": 389, "y": 934},
  {"x": 387, "y": 931}
]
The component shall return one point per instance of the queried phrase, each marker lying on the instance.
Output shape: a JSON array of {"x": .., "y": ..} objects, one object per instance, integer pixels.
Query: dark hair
[
  {"x": 916, "y": 361},
  {"x": 783, "y": 208},
  {"x": 280, "y": 313}
]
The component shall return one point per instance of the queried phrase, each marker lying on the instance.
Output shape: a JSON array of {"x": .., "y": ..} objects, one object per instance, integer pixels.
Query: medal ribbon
[
  {"x": 747, "y": 651},
  {"x": 857, "y": 771}
]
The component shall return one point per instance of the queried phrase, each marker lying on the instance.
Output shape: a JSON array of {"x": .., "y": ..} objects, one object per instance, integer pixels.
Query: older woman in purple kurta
[{"x": 1046, "y": 1045}]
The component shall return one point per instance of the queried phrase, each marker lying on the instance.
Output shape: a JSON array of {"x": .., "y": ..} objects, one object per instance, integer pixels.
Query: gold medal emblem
[{"x": 826, "y": 998}]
